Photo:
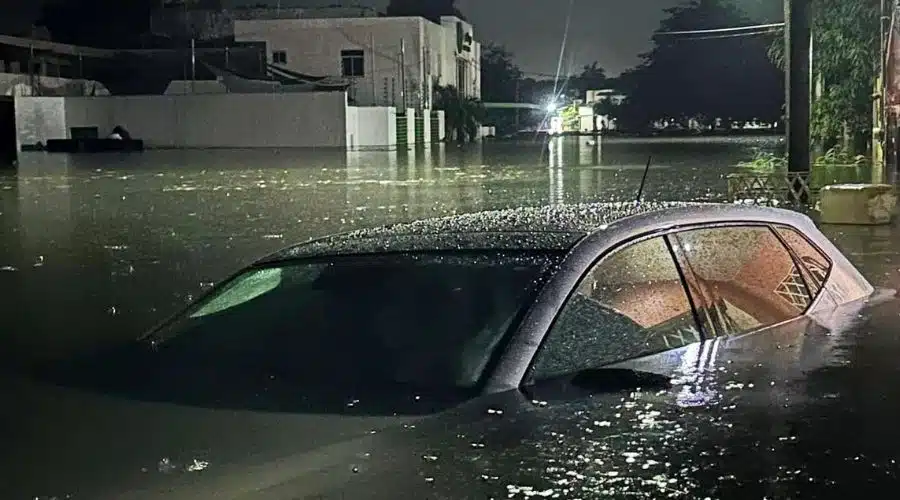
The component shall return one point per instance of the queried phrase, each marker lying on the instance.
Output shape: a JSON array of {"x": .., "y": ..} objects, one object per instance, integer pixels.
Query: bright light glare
[{"x": 551, "y": 107}]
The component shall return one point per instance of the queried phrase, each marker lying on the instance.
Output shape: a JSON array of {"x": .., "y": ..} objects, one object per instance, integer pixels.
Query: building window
[
  {"x": 279, "y": 57},
  {"x": 353, "y": 63},
  {"x": 462, "y": 77}
]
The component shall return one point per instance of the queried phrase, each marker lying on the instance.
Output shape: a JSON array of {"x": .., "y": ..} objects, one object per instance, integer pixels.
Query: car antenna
[{"x": 644, "y": 179}]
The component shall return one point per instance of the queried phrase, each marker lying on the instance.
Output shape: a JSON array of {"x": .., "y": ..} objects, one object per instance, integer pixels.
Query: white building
[
  {"x": 598, "y": 96},
  {"x": 370, "y": 51}
]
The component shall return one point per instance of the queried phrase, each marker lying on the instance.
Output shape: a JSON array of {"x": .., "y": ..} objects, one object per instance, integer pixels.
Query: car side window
[
  {"x": 816, "y": 265},
  {"x": 741, "y": 278},
  {"x": 631, "y": 304}
]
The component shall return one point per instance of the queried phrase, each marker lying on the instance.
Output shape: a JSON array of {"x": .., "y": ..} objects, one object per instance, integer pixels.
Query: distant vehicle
[{"x": 588, "y": 351}]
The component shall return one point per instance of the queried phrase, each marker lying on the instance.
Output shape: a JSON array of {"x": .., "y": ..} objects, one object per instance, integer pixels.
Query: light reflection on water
[{"x": 113, "y": 243}]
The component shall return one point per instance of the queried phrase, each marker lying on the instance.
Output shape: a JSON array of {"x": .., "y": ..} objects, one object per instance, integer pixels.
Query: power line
[
  {"x": 724, "y": 30},
  {"x": 733, "y": 35}
]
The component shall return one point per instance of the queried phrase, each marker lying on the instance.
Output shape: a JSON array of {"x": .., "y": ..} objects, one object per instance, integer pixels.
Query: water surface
[{"x": 104, "y": 246}]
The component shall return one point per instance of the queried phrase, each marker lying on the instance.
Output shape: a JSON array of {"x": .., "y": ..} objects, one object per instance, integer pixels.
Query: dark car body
[{"x": 794, "y": 400}]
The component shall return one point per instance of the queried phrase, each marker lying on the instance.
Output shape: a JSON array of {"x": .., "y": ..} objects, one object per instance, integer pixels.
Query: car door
[
  {"x": 648, "y": 302},
  {"x": 665, "y": 305}
]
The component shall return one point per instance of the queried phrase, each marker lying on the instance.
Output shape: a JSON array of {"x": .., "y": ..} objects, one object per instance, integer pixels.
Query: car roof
[{"x": 547, "y": 228}]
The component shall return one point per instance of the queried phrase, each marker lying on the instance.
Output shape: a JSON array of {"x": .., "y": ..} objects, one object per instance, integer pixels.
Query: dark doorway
[{"x": 8, "y": 149}]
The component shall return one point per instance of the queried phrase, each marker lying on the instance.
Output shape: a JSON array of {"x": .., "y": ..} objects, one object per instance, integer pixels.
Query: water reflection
[
  {"x": 774, "y": 393},
  {"x": 119, "y": 241}
]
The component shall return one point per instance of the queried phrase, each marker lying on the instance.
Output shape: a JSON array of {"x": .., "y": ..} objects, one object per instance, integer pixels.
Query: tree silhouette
[
  {"x": 96, "y": 23},
  {"x": 592, "y": 77},
  {"x": 704, "y": 76},
  {"x": 429, "y": 9},
  {"x": 500, "y": 77},
  {"x": 462, "y": 114},
  {"x": 845, "y": 50}
]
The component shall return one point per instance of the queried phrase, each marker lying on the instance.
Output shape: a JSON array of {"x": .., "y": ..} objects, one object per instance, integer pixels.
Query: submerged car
[{"x": 588, "y": 351}]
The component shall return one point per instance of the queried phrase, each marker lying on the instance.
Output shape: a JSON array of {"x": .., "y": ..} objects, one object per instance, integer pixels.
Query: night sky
[{"x": 611, "y": 32}]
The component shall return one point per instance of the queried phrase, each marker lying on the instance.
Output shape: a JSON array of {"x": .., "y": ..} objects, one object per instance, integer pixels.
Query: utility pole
[
  {"x": 797, "y": 41},
  {"x": 518, "y": 99},
  {"x": 32, "y": 82},
  {"x": 193, "y": 64},
  {"x": 403, "y": 74},
  {"x": 891, "y": 137},
  {"x": 373, "y": 71},
  {"x": 879, "y": 97}
]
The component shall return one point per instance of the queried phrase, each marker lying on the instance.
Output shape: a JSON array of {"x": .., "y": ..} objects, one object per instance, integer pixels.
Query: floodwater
[{"x": 104, "y": 246}]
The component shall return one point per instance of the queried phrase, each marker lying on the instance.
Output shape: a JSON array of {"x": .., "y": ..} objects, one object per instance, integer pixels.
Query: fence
[{"x": 796, "y": 189}]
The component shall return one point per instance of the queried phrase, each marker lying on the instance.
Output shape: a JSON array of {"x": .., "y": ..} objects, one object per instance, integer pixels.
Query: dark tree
[
  {"x": 463, "y": 114},
  {"x": 97, "y": 23},
  {"x": 592, "y": 77},
  {"x": 500, "y": 77},
  {"x": 501, "y": 81},
  {"x": 703, "y": 77},
  {"x": 429, "y": 9}
]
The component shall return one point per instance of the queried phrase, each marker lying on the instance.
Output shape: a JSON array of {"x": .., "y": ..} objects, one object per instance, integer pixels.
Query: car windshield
[{"x": 394, "y": 324}]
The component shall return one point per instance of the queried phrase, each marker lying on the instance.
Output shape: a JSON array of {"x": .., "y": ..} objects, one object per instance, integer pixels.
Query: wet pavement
[{"x": 104, "y": 246}]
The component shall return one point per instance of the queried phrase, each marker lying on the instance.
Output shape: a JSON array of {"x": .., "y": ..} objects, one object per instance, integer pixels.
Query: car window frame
[
  {"x": 799, "y": 261},
  {"x": 528, "y": 379},
  {"x": 528, "y": 376},
  {"x": 798, "y": 264}
]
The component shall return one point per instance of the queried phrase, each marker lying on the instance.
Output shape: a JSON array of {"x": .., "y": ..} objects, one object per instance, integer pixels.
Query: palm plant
[{"x": 464, "y": 115}]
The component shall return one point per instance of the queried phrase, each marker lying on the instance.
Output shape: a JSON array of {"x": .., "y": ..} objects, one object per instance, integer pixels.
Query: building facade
[
  {"x": 390, "y": 61},
  {"x": 597, "y": 96}
]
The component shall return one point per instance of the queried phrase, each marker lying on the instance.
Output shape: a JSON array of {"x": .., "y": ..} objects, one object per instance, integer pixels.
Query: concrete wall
[
  {"x": 39, "y": 119},
  {"x": 194, "y": 121},
  {"x": 442, "y": 124},
  {"x": 313, "y": 46},
  {"x": 181, "y": 87},
  {"x": 410, "y": 127},
  {"x": 371, "y": 128},
  {"x": 426, "y": 116}
]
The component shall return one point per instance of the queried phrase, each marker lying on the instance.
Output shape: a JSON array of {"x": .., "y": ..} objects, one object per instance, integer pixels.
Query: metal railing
[{"x": 793, "y": 188}]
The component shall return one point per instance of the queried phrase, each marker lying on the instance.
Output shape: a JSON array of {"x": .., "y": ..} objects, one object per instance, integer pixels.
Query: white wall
[
  {"x": 442, "y": 124},
  {"x": 410, "y": 127},
  {"x": 426, "y": 116},
  {"x": 194, "y": 121},
  {"x": 371, "y": 128},
  {"x": 181, "y": 87},
  {"x": 39, "y": 119}
]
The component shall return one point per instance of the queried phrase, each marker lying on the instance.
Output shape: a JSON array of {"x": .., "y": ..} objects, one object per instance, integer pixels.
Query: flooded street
[{"x": 104, "y": 246}]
